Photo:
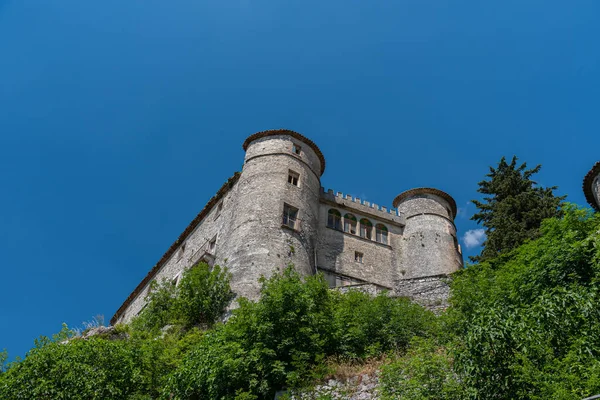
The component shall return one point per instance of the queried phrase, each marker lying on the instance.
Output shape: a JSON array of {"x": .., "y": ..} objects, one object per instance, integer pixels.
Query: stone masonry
[{"x": 275, "y": 213}]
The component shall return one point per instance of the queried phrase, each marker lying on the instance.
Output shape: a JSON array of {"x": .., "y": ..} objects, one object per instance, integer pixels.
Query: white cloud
[{"x": 474, "y": 238}]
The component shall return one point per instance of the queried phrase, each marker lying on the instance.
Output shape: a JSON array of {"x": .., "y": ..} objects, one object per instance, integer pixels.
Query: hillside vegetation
[{"x": 524, "y": 323}]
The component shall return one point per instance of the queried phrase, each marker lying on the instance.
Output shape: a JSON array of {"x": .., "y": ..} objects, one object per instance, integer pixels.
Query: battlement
[{"x": 390, "y": 214}]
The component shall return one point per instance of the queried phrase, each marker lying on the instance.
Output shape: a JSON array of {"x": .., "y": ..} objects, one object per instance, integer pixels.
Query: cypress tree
[{"x": 513, "y": 207}]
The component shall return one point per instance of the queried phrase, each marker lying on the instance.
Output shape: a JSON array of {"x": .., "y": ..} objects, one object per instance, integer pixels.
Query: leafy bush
[
  {"x": 425, "y": 372},
  {"x": 200, "y": 298},
  {"x": 81, "y": 369},
  {"x": 264, "y": 346},
  {"x": 528, "y": 322},
  {"x": 365, "y": 326},
  {"x": 281, "y": 339},
  {"x": 202, "y": 295}
]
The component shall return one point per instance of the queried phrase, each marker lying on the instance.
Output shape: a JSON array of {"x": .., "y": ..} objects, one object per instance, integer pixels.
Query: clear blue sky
[{"x": 120, "y": 119}]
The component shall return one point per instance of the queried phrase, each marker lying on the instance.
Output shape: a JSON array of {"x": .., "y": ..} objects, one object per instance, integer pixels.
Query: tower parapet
[
  {"x": 591, "y": 186},
  {"x": 430, "y": 244}
]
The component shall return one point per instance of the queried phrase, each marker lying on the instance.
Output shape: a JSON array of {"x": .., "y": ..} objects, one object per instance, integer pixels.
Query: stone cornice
[
  {"x": 588, "y": 180},
  {"x": 425, "y": 190},
  {"x": 195, "y": 222},
  {"x": 295, "y": 135}
]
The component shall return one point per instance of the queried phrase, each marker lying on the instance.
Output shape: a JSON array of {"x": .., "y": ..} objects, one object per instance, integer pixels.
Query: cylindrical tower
[
  {"x": 275, "y": 213},
  {"x": 591, "y": 187},
  {"x": 429, "y": 246}
]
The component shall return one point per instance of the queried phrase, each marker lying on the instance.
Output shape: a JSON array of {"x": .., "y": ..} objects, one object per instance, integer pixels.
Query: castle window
[
  {"x": 293, "y": 177},
  {"x": 358, "y": 256},
  {"x": 212, "y": 245},
  {"x": 381, "y": 234},
  {"x": 290, "y": 216},
  {"x": 296, "y": 149},
  {"x": 350, "y": 224},
  {"x": 366, "y": 229},
  {"x": 334, "y": 219}
]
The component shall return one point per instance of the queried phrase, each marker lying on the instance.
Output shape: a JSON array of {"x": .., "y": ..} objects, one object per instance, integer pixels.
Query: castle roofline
[
  {"x": 295, "y": 135},
  {"x": 587, "y": 186},
  {"x": 424, "y": 190},
  {"x": 201, "y": 215}
]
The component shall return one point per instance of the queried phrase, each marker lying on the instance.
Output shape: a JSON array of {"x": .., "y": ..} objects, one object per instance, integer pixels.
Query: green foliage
[
  {"x": 200, "y": 298},
  {"x": 529, "y": 322},
  {"x": 264, "y": 346},
  {"x": 366, "y": 327},
  {"x": 281, "y": 339},
  {"x": 3, "y": 358},
  {"x": 81, "y": 369},
  {"x": 159, "y": 309},
  {"x": 425, "y": 372},
  {"x": 202, "y": 295},
  {"x": 513, "y": 207}
]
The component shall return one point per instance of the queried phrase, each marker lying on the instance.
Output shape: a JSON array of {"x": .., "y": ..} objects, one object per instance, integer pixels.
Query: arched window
[
  {"x": 381, "y": 234},
  {"x": 350, "y": 224},
  {"x": 366, "y": 229},
  {"x": 334, "y": 219}
]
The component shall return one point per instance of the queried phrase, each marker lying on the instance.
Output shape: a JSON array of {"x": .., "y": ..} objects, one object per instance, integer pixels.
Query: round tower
[
  {"x": 430, "y": 246},
  {"x": 276, "y": 208},
  {"x": 591, "y": 186}
]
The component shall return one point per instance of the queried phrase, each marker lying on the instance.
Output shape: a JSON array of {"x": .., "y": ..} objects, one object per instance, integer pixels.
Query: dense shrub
[
  {"x": 201, "y": 297},
  {"x": 264, "y": 346},
  {"x": 529, "y": 322},
  {"x": 365, "y": 326},
  {"x": 294, "y": 327},
  {"x": 424, "y": 372},
  {"x": 81, "y": 369}
]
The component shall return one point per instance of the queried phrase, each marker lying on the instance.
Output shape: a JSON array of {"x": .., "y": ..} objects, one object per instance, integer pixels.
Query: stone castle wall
[
  {"x": 194, "y": 248},
  {"x": 243, "y": 229}
]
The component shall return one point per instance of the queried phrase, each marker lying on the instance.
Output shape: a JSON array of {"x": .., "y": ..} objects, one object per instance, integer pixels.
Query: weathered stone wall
[
  {"x": 257, "y": 241},
  {"x": 252, "y": 241},
  {"x": 431, "y": 292},
  {"x": 191, "y": 250},
  {"x": 336, "y": 249},
  {"x": 430, "y": 245}
]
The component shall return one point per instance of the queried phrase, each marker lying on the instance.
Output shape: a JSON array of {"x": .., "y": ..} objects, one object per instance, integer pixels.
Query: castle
[{"x": 275, "y": 212}]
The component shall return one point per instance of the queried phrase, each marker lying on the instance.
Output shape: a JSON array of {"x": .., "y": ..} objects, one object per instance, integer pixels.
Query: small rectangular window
[
  {"x": 293, "y": 177},
  {"x": 290, "y": 216},
  {"x": 358, "y": 256},
  {"x": 296, "y": 149}
]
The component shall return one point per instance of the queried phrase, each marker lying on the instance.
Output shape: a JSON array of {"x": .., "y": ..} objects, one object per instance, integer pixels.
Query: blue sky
[{"x": 119, "y": 120}]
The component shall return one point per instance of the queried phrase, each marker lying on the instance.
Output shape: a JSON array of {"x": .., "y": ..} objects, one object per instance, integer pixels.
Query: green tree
[
  {"x": 528, "y": 324},
  {"x": 513, "y": 207}
]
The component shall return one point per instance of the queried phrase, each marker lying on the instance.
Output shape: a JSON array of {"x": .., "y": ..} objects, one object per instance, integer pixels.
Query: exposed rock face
[
  {"x": 362, "y": 387},
  {"x": 106, "y": 332}
]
